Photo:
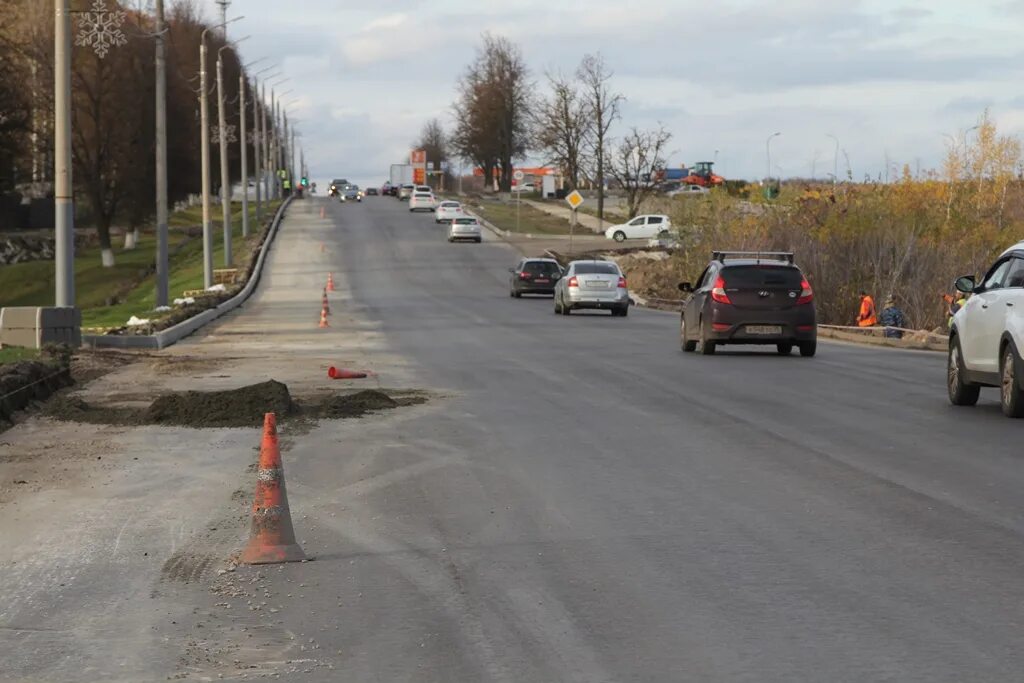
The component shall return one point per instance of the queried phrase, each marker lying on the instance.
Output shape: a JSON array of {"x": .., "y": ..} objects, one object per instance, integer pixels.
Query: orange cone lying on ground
[
  {"x": 342, "y": 373},
  {"x": 330, "y": 282},
  {"x": 273, "y": 538},
  {"x": 323, "y": 318}
]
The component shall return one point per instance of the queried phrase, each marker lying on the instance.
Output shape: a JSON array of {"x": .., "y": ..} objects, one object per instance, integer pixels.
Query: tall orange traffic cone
[
  {"x": 323, "y": 318},
  {"x": 330, "y": 282},
  {"x": 273, "y": 538},
  {"x": 326, "y": 304}
]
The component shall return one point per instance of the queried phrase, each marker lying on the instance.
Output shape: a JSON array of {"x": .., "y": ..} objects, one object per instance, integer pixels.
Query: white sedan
[
  {"x": 641, "y": 227},
  {"x": 420, "y": 201},
  {"x": 448, "y": 211}
]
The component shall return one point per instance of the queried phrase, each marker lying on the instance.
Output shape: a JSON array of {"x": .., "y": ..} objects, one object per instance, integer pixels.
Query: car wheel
[
  {"x": 961, "y": 392},
  {"x": 685, "y": 344},
  {"x": 619, "y": 236},
  {"x": 1011, "y": 396},
  {"x": 808, "y": 349},
  {"x": 518, "y": 295},
  {"x": 479, "y": 240},
  {"x": 623, "y": 312},
  {"x": 558, "y": 306},
  {"x": 707, "y": 348},
  {"x": 785, "y": 348}
]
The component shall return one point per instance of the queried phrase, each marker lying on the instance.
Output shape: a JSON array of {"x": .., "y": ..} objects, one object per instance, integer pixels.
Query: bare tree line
[{"x": 113, "y": 145}]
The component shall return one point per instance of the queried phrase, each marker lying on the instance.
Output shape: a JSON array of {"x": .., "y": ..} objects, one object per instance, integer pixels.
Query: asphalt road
[{"x": 584, "y": 502}]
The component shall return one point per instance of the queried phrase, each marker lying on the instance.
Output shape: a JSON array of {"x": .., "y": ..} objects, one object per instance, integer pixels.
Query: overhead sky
[{"x": 886, "y": 77}]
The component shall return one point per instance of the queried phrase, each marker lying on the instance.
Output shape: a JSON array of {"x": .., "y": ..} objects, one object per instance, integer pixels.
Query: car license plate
[
  {"x": 542, "y": 280},
  {"x": 764, "y": 329},
  {"x": 597, "y": 284}
]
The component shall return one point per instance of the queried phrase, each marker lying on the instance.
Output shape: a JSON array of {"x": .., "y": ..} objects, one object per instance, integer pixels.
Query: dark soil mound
[
  {"x": 23, "y": 382},
  {"x": 243, "y": 407},
  {"x": 355, "y": 405}
]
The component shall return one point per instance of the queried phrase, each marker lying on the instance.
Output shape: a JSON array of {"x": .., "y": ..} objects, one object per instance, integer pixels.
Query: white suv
[{"x": 987, "y": 336}]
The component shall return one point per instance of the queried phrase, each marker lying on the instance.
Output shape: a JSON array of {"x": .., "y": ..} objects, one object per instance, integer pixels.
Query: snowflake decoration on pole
[
  {"x": 215, "y": 134},
  {"x": 100, "y": 29}
]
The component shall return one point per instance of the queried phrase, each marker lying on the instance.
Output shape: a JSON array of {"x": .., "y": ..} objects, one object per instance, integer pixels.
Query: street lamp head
[
  {"x": 202, "y": 37},
  {"x": 231, "y": 44}
]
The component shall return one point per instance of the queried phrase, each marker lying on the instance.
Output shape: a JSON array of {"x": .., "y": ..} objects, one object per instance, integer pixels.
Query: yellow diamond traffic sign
[{"x": 575, "y": 199}]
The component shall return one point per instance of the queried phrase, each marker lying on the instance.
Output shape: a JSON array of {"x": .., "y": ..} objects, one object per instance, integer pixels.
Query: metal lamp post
[
  {"x": 768, "y": 152},
  {"x": 64, "y": 217},
  {"x": 835, "y": 158},
  {"x": 257, "y": 143},
  {"x": 204, "y": 154},
  {"x": 225, "y": 176}
]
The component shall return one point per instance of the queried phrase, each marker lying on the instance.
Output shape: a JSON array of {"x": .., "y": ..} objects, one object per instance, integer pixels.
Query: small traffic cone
[
  {"x": 272, "y": 538},
  {"x": 342, "y": 373},
  {"x": 323, "y": 318},
  {"x": 330, "y": 282},
  {"x": 321, "y": 212},
  {"x": 325, "y": 303}
]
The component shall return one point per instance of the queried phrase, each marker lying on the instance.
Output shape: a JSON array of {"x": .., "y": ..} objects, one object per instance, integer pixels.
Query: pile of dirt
[
  {"x": 24, "y": 382},
  {"x": 353, "y": 405},
  {"x": 243, "y": 407}
]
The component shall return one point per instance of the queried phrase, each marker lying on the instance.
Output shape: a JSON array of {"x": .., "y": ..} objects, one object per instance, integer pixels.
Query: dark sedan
[{"x": 534, "y": 276}]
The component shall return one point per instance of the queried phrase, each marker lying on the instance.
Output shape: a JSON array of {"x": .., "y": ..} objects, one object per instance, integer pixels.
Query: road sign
[
  {"x": 518, "y": 175},
  {"x": 430, "y": 165},
  {"x": 419, "y": 176},
  {"x": 418, "y": 156},
  {"x": 574, "y": 199}
]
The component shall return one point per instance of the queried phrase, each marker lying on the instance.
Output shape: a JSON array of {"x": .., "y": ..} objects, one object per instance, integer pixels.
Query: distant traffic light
[{"x": 304, "y": 182}]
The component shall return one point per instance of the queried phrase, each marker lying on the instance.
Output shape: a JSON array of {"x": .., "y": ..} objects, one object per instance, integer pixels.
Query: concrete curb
[{"x": 176, "y": 333}]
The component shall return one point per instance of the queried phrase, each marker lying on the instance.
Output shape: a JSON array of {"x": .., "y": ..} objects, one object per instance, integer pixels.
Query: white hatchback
[
  {"x": 422, "y": 201},
  {"x": 447, "y": 211},
  {"x": 465, "y": 228},
  {"x": 641, "y": 227},
  {"x": 987, "y": 335}
]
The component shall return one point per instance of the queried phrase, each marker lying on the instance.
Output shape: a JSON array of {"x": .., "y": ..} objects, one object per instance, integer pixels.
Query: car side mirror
[
  {"x": 685, "y": 287},
  {"x": 965, "y": 284}
]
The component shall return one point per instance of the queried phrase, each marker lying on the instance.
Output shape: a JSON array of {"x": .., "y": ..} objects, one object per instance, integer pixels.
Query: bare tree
[
  {"x": 434, "y": 141},
  {"x": 560, "y": 126},
  {"x": 603, "y": 111},
  {"x": 633, "y": 162},
  {"x": 494, "y": 103}
]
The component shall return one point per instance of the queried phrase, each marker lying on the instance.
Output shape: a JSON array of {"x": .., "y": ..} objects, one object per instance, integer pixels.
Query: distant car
[
  {"x": 525, "y": 187},
  {"x": 592, "y": 284},
  {"x": 688, "y": 191},
  {"x": 420, "y": 201},
  {"x": 351, "y": 193},
  {"x": 336, "y": 186},
  {"x": 641, "y": 227},
  {"x": 749, "y": 298},
  {"x": 987, "y": 334},
  {"x": 405, "y": 191},
  {"x": 534, "y": 276},
  {"x": 385, "y": 189},
  {"x": 448, "y": 210},
  {"x": 465, "y": 228},
  {"x": 371, "y": 192}
]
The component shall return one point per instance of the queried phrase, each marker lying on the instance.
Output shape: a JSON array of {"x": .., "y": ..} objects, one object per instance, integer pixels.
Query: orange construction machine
[{"x": 701, "y": 174}]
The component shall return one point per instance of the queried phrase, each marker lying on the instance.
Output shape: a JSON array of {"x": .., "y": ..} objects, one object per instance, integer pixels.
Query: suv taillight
[
  {"x": 806, "y": 293},
  {"x": 718, "y": 291},
  {"x": 524, "y": 275},
  {"x": 622, "y": 282}
]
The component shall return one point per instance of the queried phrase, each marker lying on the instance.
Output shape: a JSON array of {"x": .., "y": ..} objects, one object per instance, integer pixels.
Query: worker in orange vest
[{"x": 866, "y": 317}]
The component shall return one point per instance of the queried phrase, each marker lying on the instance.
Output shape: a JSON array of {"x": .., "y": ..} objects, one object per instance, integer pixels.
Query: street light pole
[
  {"x": 225, "y": 178},
  {"x": 768, "y": 152},
  {"x": 64, "y": 216},
  {"x": 835, "y": 158},
  {"x": 161, "y": 160},
  {"x": 204, "y": 154},
  {"x": 245, "y": 153},
  {"x": 257, "y": 143}
]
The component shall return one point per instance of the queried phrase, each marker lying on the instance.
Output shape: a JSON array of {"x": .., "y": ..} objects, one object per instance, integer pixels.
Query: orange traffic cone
[
  {"x": 330, "y": 282},
  {"x": 273, "y": 538},
  {"x": 321, "y": 212},
  {"x": 326, "y": 304},
  {"x": 323, "y": 318},
  {"x": 342, "y": 373},
  {"x": 322, "y": 249}
]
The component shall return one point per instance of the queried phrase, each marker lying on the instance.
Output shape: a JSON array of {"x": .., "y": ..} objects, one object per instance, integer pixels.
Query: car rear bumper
[
  {"x": 610, "y": 299},
  {"x": 799, "y": 326},
  {"x": 534, "y": 288},
  {"x": 464, "y": 236}
]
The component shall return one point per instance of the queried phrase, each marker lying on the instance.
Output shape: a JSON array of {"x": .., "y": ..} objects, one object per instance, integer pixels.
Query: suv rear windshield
[
  {"x": 753, "y": 277},
  {"x": 540, "y": 268},
  {"x": 596, "y": 268}
]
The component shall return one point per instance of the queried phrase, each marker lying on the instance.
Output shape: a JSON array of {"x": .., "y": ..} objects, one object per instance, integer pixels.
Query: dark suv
[
  {"x": 749, "y": 298},
  {"x": 534, "y": 276}
]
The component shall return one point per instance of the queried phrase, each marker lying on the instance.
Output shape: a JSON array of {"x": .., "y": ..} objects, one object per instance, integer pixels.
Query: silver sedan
[{"x": 592, "y": 284}]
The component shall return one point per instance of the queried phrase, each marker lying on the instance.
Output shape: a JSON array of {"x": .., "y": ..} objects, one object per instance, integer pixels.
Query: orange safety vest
[{"x": 867, "y": 312}]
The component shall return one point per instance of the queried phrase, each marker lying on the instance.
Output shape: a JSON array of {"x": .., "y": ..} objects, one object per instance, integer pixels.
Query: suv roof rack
[{"x": 756, "y": 255}]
